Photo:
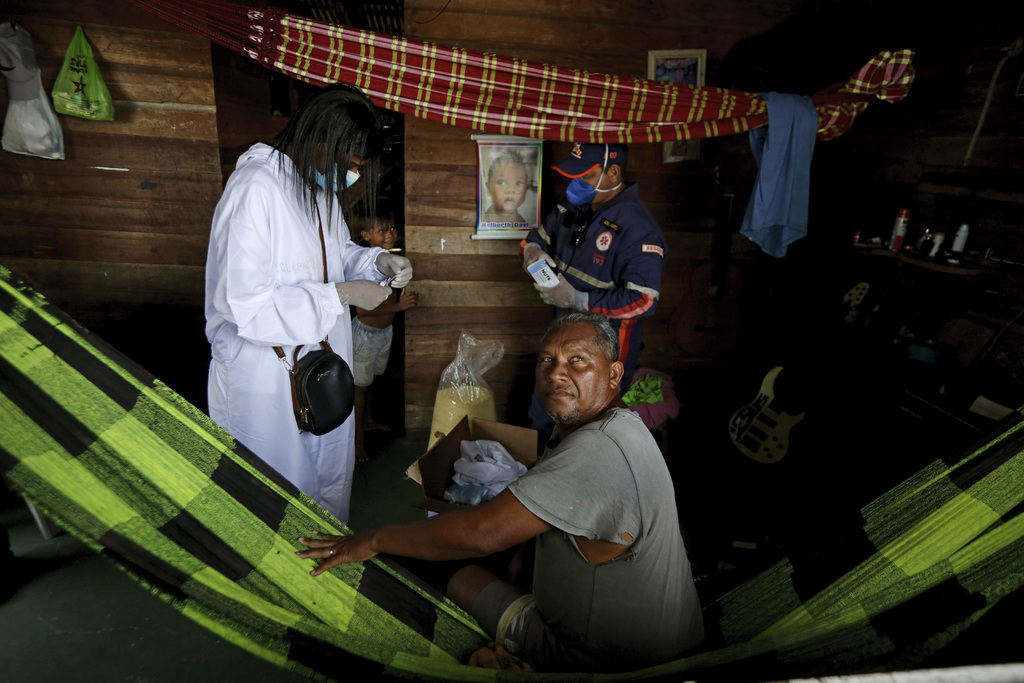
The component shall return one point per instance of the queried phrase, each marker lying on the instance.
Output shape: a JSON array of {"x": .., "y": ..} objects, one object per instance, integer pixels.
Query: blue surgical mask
[
  {"x": 580, "y": 192},
  {"x": 350, "y": 178}
]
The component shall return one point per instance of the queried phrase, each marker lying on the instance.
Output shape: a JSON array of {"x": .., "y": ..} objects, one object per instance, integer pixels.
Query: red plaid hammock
[{"x": 508, "y": 96}]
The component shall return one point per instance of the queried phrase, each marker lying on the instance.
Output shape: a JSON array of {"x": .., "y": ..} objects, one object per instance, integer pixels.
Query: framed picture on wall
[
  {"x": 684, "y": 67},
  {"x": 508, "y": 187}
]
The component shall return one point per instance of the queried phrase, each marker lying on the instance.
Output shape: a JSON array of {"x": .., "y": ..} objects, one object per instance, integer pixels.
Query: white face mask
[{"x": 350, "y": 179}]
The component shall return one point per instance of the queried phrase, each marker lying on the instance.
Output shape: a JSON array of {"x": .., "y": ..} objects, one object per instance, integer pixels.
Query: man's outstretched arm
[{"x": 460, "y": 534}]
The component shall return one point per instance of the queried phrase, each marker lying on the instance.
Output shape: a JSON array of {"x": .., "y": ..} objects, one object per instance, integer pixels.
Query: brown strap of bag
[{"x": 324, "y": 344}]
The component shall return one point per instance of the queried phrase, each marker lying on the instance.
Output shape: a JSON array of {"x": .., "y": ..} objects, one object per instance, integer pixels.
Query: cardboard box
[{"x": 434, "y": 469}]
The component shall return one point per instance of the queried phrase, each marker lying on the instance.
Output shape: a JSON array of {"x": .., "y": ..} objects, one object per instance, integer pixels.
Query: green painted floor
[{"x": 80, "y": 618}]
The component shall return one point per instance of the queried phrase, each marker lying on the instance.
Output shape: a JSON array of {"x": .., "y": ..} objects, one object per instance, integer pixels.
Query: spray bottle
[{"x": 899, "y": 229}]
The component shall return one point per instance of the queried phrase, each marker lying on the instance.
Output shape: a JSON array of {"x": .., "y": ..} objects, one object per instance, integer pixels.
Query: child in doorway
[{"x": 372, "y": 331}]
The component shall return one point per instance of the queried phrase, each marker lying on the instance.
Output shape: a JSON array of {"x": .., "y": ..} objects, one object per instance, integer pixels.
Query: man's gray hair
[{"x": 604, "y": 335}]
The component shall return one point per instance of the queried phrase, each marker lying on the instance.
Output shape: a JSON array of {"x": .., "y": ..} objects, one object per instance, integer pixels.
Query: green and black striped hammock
[{"x": 120, "y": 461}]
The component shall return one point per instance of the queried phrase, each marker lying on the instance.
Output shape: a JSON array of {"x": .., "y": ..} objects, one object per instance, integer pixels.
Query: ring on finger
[{"x": 330, "y": 552}]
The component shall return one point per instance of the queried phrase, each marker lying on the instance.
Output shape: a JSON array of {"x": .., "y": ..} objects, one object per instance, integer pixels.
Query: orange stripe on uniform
[
  {"x": 633, "y": 310},
  {"x": 625, "y": 334}
]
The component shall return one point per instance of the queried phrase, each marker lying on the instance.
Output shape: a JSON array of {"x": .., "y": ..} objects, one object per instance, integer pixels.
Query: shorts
[
  {"x": 516, "y": 623},
  {"x": 371, "y": 347},
  {"x": 508, "y": 613}
]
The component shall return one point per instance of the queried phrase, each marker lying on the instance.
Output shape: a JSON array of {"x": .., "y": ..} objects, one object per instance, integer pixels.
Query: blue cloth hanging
[{"x": 777, "y": 212}]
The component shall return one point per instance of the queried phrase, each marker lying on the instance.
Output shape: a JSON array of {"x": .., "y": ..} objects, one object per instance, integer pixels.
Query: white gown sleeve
[
  {"x": 359, "y": 263},
  {"x": 271, "y": 271}
]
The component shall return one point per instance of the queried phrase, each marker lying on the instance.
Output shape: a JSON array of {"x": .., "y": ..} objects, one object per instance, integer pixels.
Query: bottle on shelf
[
  {"x": 899, "y": 229},
  {"x": 924, "y": 242},
  {"x": 959, "y": 242}
]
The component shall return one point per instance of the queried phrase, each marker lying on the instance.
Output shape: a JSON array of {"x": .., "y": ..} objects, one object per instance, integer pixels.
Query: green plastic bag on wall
[{"x": 79, "y": 89}]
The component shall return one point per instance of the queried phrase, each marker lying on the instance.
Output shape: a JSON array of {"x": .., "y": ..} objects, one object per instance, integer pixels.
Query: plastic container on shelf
[{"x": 959, "y": 242}]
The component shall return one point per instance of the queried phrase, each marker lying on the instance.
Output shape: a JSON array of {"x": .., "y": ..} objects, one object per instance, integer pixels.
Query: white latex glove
[
  {"x": 398, "y": 267},
  {"x": 564, "y": 295},
  {"x": 533, "y": 253},
  {"x": 365, "y": 294}
]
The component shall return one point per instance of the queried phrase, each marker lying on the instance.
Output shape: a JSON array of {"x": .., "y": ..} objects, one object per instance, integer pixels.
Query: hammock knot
[
  {"x": 887, "y": 76},
  {"x": 266, "y": 32}
]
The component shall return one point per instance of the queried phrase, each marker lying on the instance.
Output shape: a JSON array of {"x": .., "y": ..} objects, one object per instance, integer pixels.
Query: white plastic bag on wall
[{"x": 31, "y": 125}]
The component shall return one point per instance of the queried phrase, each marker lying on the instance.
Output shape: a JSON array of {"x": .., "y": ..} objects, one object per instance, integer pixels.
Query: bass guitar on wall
[{"x": 760, "y": 429}]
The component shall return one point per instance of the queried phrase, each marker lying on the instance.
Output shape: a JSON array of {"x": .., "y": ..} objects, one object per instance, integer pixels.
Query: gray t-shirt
[{"x": 608, "y": 480}]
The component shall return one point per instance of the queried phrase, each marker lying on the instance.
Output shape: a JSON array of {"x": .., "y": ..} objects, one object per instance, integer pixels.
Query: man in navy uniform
[{"x": 607, "y": 249}]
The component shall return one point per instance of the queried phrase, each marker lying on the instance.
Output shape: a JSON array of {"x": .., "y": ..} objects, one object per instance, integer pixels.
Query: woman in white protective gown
[{"x": 265, "y": 284}]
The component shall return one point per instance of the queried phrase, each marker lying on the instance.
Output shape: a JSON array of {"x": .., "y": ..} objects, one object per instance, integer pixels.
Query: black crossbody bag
[{"x": 323, "y": 391}]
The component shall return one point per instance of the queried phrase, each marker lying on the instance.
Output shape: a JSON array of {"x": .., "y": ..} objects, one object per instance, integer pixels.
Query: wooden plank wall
[
  {"x": 914, "y": 154},
  {"x": 100, "y": 242},
  {"x": 123, "y": 221},
  {"x": 478, "y": 286},
  {"x": 907, "y": 154}
]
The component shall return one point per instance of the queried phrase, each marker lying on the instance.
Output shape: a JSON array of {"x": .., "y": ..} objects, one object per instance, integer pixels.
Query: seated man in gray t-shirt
[{"x": 612, "y": 583}]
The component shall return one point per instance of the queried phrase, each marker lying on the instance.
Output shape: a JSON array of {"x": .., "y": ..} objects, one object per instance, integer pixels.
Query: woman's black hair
[{"x": 339, "y": 122}]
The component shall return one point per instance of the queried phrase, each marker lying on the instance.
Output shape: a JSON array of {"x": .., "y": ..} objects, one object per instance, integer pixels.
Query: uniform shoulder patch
[
  {"x": 653, "y": 249},
  {"x": 611, "y": 226}
]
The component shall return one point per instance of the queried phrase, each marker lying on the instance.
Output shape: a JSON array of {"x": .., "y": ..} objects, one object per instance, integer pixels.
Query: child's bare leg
[{"x": 369, "y": 424}]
